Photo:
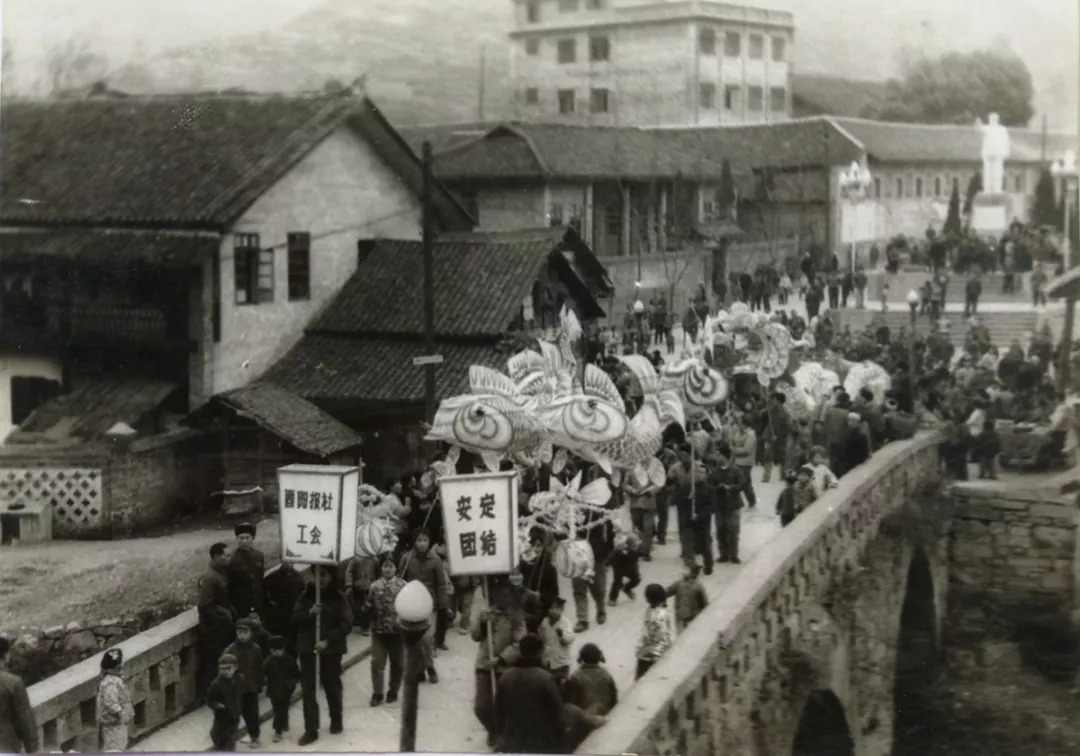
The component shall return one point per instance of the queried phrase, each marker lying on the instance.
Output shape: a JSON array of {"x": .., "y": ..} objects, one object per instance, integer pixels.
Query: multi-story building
[{"x": 650, "y": 62}]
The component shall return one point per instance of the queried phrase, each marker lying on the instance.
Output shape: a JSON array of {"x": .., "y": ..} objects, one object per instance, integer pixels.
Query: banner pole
[{"x": 318, "y": 625}]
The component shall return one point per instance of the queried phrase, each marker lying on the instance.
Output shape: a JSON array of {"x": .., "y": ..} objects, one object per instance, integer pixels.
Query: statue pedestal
[{"x": 990, "y": 214}]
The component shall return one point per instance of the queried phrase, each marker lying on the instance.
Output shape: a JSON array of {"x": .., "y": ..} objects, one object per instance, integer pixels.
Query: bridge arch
[{"x": 823, "y": 727}]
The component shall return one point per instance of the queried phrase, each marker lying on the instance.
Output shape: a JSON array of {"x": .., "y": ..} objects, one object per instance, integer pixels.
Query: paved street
[{"x": 446, "y": 722}]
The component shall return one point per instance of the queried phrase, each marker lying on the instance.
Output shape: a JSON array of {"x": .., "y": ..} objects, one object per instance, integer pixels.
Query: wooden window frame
[
  {"x": 707, "y": 41},
  {"x": 563, "y": 46},
  {"x": 599, "y": 95},
  {"x": 299, "y": 266},
  {"x": 779, "y": 49},
  {"x": 732, "y": 44},
  {"x": 573, "y": 101},
  {"x": 599, "y": 48},
  {"x": 751, "y": 39},
  {"x": 707, "y": 95}
]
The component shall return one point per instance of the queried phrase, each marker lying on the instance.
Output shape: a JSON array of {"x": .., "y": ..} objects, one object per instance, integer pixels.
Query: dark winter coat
[
  {"x": 855, "y": 451},
  {"x": 336, "y": 621},
  {"x": 592, "y": 688},
  {"x": 281, "y": 589},
  {"x": 216, "y": 613},
  {"x": 18, "y": 727},
  {"x": 246, "y": 570},
  {"x": 282, "y": 675},
  {"x": 223, "y": 697},
  {"x": 249, "y": 665},
  {"x": 542, "y": 577},
  {"x": 529, "y": 711}
]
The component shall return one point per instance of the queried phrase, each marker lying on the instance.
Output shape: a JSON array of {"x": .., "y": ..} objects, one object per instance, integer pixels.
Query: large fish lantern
[
  {"x": 868, "y": 375},
  {"x": 494, "y": 421},
  {"x": 817, "y": 381}
]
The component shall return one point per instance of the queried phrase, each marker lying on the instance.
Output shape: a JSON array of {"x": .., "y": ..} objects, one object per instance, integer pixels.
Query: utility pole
[
  {"x": 828, "y": 194},
  {"x": 427, "y": 242},
  {"x": 483, "y": 82}
]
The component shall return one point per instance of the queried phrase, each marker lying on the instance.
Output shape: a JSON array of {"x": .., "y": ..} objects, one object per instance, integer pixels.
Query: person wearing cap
[
  {"x": 726, "y": 484},
  {"x": 246, "y": 570},
  {"x": 282, "y": 675},
  {"x": 216, "y": 616},
  {"x": 223, "y": 698},
  {"x": 694, "y": 508},
  {"x": 249, "y": 663},
  {"x": 114, "y": 709},
  {"x": 529, "y": 713},
  {"x": 18, "y": 725}
]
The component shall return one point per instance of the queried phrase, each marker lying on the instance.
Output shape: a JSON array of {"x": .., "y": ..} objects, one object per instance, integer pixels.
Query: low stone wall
[
  {"x": 159, "y": 667},
  {"x": 1012, "y": 554}
]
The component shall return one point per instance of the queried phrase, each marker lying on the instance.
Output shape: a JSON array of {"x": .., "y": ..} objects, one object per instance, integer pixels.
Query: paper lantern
[
  {"x": 374, "y": 538},
  {"x": 574, "y": 559},
  {"x": 413, "y": 603}
]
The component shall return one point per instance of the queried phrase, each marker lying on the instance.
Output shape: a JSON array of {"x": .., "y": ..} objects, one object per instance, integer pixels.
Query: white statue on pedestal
[{"x": 995, "y": 150}]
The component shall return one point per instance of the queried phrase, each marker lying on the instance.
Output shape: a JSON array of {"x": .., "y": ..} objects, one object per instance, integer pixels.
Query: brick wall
[{"x": 1012, "y": 552}]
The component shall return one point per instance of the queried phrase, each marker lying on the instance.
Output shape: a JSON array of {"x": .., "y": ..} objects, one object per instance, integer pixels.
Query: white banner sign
[
  {"x": 318, "y": 513},
  {"x": 480, "y": 517}
]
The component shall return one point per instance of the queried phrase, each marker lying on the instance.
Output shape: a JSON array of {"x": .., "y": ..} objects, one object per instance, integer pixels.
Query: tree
[
  {"x": 953, "y": 226},
  {"x": 958, "y": 88},
  {"x": 975, "y": 185},
  {"x": 1044, "y": 210},
  {"x": 72, "y": 66}
]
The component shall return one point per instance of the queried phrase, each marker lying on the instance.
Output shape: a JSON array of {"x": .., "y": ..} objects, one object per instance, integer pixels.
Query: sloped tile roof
[
  {"x": 814, "y": 94},
  {"x": 541, "y": 150},
  {"x": 112, "y": 246},
  {"x": 334, "y": 368},
  {"x": 184, "y": 160},
  {"x": 94, "y": 406},
  {"x": 298, "y": 421},
  {"x": 914, "y": 143},
  {"x": 444, "y": 136},
  {"x": 479, "y": 288}
]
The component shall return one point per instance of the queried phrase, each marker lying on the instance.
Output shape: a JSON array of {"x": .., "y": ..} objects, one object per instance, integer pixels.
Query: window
[
  {"x": 567, "y": 50},
  {"x": 613, "y": 223},
  {"x": 532, "y": 47},
  {"x": 253, "y": 269},
  {"x": 599, "y": 48},
  {"x": 937, "y": 186},
  {"x": 956, "y": 183},
  {"x": 594, "y": 4},
  {"x": 532, "y": 96},
  {"x": 707, "y": 96},
  {"x": 568, "y": 6},
  {"x": 918, "y": 186},
  {"x": 707, "y": 41},
  {"x": 755, "y": 99},
  {"x": 732, "y": 44},
  {"x": 777, "y": 99},
  {"x": 877, "y": 188},
  {"x": 299, "y": 245},
  {"x": 899, "y": 188},
  {"x": 599, "y": 100},
  {"x": 215, "y": 298},
  {"x": 573, "y": 218},
  {"x": 732, "y": 94},
  {"x": 757, "y": 47},
  {"x": 532, "y": 13},
  {"x": 555, "y": 214},
  {"x": 566, "y": 101},
  {"x": 779, "y": 48}
]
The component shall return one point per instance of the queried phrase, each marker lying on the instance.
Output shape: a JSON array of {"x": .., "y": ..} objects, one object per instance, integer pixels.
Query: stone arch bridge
[{"x": 806, "y": 651}]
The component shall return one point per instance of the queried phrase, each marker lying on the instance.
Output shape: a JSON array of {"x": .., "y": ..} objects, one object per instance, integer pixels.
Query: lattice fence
[{"x": 74, "y": 493}]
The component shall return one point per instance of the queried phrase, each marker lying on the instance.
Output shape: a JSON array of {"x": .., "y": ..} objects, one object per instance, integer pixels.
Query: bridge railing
[{"x": 692, "y": 701}]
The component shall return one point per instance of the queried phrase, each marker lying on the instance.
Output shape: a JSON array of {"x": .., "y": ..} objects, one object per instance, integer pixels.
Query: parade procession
[{"x": 540, "y": 377}]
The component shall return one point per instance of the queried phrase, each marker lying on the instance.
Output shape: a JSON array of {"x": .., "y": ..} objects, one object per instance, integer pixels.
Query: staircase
[
  {"x": 1004, "y": 326},
  {"x": 903, "y": 281}
]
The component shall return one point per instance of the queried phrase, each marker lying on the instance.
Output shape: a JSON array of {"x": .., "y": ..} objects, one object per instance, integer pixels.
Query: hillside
[
  {"x": 422, "y": 57},
  {"x": 417, "y": 70}
]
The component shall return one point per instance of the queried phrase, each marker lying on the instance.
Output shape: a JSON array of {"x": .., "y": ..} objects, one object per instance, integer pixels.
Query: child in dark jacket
[
  {"x": 625, "y": 573},
  {"x": 223, "y": 698},
  {"x": 249, "y": 663},
  {"x": 282, "y": 676},
  {"x": 690, "y": 597},
  {"x": 787, "y": 505},
  {"x": 591, "y": 687}
]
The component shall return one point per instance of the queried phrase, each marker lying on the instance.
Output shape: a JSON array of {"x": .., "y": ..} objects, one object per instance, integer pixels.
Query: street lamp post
[
  {"x": 1065, "y": 169},
  {"x": 413, "y": 606},
  {"x": 913, "y": 306},
  {"x": 855, "y": 184}
]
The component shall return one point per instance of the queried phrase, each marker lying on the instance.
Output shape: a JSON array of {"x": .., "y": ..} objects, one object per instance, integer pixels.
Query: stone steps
[
  {"x": 1004, "y": 327},
  {"x": 904, "y": 281}
]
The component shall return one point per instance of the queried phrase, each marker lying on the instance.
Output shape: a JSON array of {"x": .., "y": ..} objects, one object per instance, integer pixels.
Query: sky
[{"x": 1043, "y": 32}]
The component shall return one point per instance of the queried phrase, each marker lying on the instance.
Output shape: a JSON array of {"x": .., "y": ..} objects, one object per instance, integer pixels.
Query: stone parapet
[{"x": 705, "y": 696}]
